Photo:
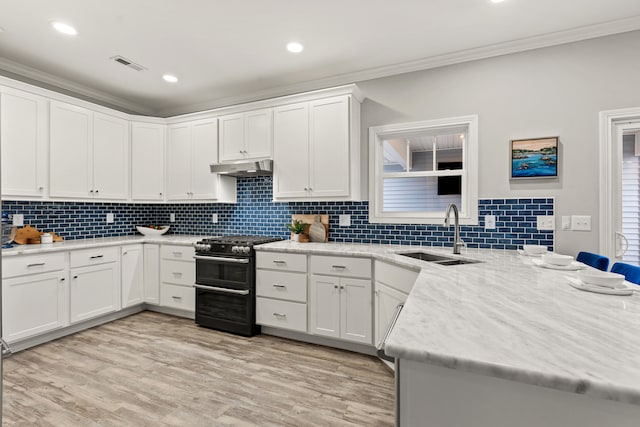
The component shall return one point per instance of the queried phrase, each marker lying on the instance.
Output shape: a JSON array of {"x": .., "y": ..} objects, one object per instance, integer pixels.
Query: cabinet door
[
  {"x": 355, "y": 310},
  {"x": 324, "y": 309},
  {"x": 291, "y": 151},
  {"x": 386, "y": 303},
  {"x": 232, "y": 137},
  {"x": 94, "y": 291},
  {"x": 147, "y": 161},
  {"x": 34, "y": 304},
  {"x": 329, "y": 170},
  {"x": 71, "y": 157},
  {"x": 152, "y": 274},
  {"x": 23, "y": 132},
  {"x": 258, "y": 133},
  {"x": 132, "y": 266},
  {"x": 179, "y": 162},
  {"x": 110, "y": 157},
  {"x": 204, "y": 151}
]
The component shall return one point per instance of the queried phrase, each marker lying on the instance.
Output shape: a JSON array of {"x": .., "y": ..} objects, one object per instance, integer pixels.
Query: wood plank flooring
[{"x": 151, "y": 369}]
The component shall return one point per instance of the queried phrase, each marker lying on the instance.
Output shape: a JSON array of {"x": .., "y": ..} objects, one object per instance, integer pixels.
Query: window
[{"x": 417, "y": 169}]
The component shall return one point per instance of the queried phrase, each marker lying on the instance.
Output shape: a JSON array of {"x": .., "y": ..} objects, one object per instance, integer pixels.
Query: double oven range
[{"x": 226, "y": 283}]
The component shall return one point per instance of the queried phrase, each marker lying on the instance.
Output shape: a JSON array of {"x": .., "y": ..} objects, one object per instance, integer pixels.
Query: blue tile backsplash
[{"x": 256, "y": 213}]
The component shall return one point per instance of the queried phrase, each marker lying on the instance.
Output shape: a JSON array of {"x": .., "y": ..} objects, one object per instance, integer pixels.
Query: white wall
[{"x": 545, "y": 92}]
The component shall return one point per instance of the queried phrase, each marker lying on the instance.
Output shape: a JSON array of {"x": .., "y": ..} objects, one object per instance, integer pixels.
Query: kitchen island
[{"x": 503, "y": 342}]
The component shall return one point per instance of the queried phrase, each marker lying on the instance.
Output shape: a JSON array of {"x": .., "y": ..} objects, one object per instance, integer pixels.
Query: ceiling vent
[{"x": 130, "y": 64}]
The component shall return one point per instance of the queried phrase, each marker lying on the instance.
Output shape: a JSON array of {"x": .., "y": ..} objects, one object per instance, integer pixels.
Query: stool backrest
[
  {"x": 594, "y": 260},
  {"x": 631, "y": 272}
]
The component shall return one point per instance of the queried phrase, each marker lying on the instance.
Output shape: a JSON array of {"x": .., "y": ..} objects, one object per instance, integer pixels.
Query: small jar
[{"x": 46, "y": 238}]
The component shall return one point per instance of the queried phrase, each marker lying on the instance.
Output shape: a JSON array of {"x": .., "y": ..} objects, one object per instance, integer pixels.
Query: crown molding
[
  {"x": 521, "y": 45},
  {"x": 53, "y": 82}
]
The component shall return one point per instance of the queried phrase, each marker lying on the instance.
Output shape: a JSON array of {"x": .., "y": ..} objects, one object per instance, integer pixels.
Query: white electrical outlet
[
  {"x": 581, "y": 222},
  {"x": 489, "y": 222},
  {"x": 172, "y": 217},
  {"x": 110, "y": 218},
  {"x": 18, "y": 220},
  {"x": 214, "y": 218},
  {"x": 344, "y": 221},
  {"x": 545, "y": 222}
]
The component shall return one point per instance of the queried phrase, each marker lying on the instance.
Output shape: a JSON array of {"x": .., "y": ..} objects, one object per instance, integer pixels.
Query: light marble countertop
[
  {"x": 508, "y": 318},
  {"x": 70, "y": 245}
]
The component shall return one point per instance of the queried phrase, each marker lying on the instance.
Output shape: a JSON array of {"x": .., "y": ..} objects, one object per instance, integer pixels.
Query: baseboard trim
[{"x": 172, "y": 311}]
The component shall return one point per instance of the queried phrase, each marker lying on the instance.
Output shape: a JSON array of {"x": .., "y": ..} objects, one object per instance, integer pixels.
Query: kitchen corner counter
[
  {"x": 70, "y": 245},
  {"x": 506, "y": 318}
]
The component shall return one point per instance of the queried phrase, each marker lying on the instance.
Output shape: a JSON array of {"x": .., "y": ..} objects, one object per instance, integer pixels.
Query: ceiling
[{"x": 226, "y": 52}]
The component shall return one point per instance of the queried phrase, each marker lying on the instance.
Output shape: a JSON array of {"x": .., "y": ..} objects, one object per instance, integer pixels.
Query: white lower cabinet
[
  {"x": 178, "y": 296},
  {"x": 34, "y": 304},
  {"x": 340, "y": 307},
  {"x": 281, "y": 314},
  {"x": 132, "y": 266},
  {"x": 152, "y": 274},
  {"x": 95, "y": 290},
  {"x": 177, "y": 277},
  {"x": 387, "y": 300}
]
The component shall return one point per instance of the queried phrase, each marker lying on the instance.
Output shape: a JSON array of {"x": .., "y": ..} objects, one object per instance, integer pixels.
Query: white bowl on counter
[
  {"x": 147, "y": 231},
  {"x": 534, "y": 250},
  {"x": 557, "y": 259},
  {"x": 601, "y": 278}
]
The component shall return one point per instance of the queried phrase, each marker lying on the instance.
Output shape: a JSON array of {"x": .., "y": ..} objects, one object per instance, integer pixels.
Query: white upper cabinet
[
  {"x": 191, "y": 148},
  {"x": 317, "y": 150},
  {"x": 23, "y": 132},
  {"x": 88, "y": 153},
  {"x": 246, "y": 136},
  {"x": 147, "y": 161}
]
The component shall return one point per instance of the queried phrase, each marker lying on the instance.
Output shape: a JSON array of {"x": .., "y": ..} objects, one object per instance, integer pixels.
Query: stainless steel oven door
[{"x": 224, "y": 272}]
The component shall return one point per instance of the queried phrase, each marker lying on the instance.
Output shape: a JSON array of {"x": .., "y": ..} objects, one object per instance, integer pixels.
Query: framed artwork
[{"x": 534, "y": 158}]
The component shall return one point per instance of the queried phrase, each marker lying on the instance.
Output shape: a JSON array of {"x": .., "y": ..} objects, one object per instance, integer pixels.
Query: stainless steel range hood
[{"x": 257, "y": 168}]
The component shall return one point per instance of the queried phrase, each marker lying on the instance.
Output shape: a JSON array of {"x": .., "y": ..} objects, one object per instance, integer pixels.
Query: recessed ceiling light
[
  {"x": 170, "y": 78},
  {"x": 64, "y": 28},
  {"x": 295, "y": 47},
  {"x": 497, "y": 1}
]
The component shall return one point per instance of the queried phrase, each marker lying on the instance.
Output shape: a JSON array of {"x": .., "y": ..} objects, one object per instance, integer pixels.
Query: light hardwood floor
[{"x": 151, "y": 369}]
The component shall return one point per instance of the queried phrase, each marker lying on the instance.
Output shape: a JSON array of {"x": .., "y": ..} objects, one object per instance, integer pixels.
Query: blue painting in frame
[{"x": 534, "y": 158}]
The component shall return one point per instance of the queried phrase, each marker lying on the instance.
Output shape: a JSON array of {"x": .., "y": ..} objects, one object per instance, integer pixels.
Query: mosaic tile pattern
[{"x": 256, "y": 213}]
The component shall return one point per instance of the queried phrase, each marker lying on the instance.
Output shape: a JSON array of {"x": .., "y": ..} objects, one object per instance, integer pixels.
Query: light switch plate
[
  {"x": 566, "y": 222},
  {"x": 18, "y": 220},
  {"x": 345, "y": 221},
  {"x": 214, "y": 218},
  {"x": 172, "y": 217},
  {"x": 545, "y": 222},
  {"x": 110, "y": 218},
  {"x": 581, "y": 222},
  {"x": 489, "y": 222}
]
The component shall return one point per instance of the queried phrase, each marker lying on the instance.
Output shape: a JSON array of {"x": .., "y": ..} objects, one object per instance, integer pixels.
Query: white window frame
[{"x": 469, "y": 208}]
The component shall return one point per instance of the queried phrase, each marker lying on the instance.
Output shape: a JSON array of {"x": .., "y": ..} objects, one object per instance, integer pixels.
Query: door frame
[{"x": 608, "y": 182}]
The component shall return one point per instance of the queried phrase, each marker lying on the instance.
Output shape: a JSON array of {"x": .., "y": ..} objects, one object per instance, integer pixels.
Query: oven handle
[
  {"x": 225, "y": 290},
  {"x": 222, "y": 259}
]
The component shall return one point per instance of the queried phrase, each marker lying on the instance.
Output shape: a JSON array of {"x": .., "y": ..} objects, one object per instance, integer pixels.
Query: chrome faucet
[{"x": 457, "y": 243}]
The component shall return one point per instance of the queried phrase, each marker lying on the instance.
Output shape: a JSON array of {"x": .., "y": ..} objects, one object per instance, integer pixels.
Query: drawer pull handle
[
  {"x": 97, "y": 256},
  {"x": 37, "y": 264},
  {"x": 341, "y": 267},
  {"x": 177, "y": 253},
  {"x": 175, "y": 297},
  {"x": 278, "y": 261},
  {"x": 278, "y": 286},
  {"x": 279, "y": 314},
  {"x": 177, "y": 273}
]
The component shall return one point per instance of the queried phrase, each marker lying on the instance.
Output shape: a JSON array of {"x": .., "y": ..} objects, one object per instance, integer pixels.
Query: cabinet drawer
[
  {"x": 94, "y": 256},
  {"x": 282, "y": 261},
  {"x": 178, "y": 272},
  {"x": 341, "y": 266},
  {"x": 399, "y": 278},
  {"x": 184, "y": 253},
  {"x": 30, "y": 264},
  {"x": 282, "y": 285},
  {"x": 281, "y": 314},
  {"x": 177, "y": 296}
]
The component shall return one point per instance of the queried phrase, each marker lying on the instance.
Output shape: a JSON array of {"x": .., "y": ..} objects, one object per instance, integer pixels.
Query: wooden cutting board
[
  {"x": 309, "y": 219},
  {"x": 31, "y": 235}
]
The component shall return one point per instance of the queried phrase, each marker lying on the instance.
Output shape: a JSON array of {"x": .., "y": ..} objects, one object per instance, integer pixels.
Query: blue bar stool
[
  {"x": 594, "y": 260},
  {"x": 631, "y": 272}
]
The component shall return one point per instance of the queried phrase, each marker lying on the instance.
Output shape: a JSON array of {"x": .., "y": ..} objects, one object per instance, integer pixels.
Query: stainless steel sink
[{"x": 438, "y": 259}]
